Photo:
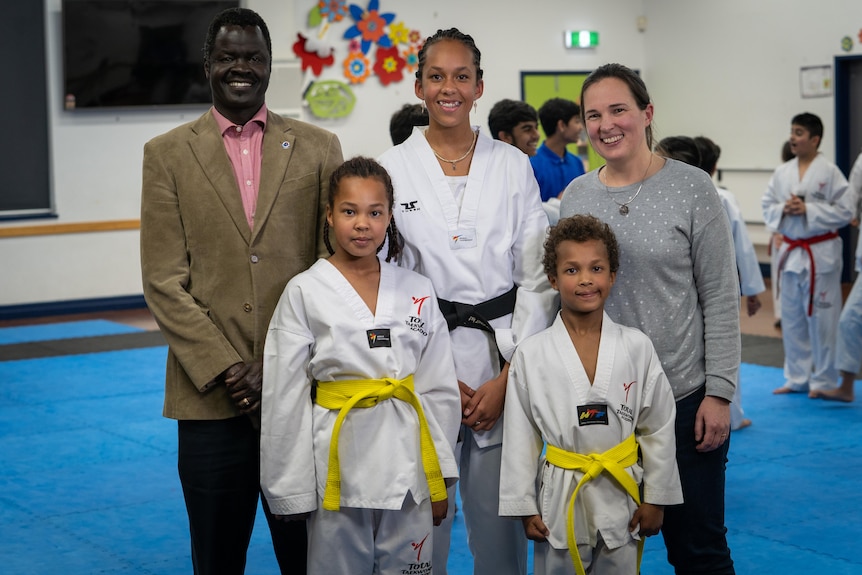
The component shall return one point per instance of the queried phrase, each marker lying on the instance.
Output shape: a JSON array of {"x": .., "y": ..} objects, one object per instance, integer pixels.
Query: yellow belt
[
  {"x": 344, "y": 395},
  {"x": 614, "y": 461}
]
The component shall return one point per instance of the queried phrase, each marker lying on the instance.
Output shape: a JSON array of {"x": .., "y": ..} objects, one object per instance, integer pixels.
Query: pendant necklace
[
  {"x": 624, "y": 207},
  {"x": 453, "y": 162}
]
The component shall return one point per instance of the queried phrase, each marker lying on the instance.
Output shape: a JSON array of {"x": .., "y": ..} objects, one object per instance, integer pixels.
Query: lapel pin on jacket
[{"x": 285, "y": 145}]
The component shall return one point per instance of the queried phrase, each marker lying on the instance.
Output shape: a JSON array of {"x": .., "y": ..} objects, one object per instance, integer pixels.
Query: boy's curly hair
[{"x": 580, "y": 228}]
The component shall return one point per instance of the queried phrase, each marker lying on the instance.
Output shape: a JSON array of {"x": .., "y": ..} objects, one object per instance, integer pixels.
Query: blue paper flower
[{"x": 370, "y": 26}]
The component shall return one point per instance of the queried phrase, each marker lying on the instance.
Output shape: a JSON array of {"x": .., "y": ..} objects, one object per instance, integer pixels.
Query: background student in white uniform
[
  {"x": 353, "y": 329},
  {"x": 469, "y": 211},
  {"x": 613, "y": 375},
  {"x": 807, "y": 201},
  {"x": 774, "y": 247},
  {"x": 848, "y": 349}
]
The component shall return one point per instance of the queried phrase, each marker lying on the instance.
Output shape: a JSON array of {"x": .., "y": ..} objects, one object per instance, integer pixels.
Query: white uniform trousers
[
  {"x": 809, "y": 341},
  {"x": 371, "y": 541},
  {"x": 498, "y": 544},
  {"x": 598, "y": 560},
  {"x": 848, "y": 351},
  {"x": 774, "y": 261}
]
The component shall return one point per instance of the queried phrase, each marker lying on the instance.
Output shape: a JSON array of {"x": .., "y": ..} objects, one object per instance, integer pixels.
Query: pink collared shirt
[{"x": 244, "y": 146}]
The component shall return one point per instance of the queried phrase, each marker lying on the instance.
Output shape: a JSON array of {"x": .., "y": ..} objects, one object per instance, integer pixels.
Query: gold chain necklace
[
  {"x": 624, "y": 207},
  {"x": 453, "y": 162}
]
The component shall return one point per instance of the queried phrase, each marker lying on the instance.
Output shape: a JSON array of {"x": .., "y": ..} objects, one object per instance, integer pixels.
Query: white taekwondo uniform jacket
[
  {"x": 322, "y": 331},
  {"x": 478, "y": 250},
  {"x": 548, "y": 388}
]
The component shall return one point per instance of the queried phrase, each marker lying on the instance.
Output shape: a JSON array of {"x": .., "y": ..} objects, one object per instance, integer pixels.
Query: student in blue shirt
[{"x": 553, "y": 165}]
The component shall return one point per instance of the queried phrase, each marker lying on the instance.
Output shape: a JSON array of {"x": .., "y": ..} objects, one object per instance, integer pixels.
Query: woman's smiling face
[
  {"x": 449, "y": 84},
  {"x": 615, "y": 124}
]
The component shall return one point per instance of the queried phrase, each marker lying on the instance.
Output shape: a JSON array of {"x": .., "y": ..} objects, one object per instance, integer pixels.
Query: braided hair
[
  {"x": 450, "y": 34},
  {"x": 362, "y": 167}
]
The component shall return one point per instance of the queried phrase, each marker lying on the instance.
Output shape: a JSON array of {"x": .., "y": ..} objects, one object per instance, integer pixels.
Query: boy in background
[
  {"x": 403, "y": 121},
  {"x": 516, "y": 123},
  {"x": 807, "y": 201},
  {"x": 553, "y": 164}
]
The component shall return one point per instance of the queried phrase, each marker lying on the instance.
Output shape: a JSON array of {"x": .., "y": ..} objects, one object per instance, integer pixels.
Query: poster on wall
[{"x": 815, "y": 81}]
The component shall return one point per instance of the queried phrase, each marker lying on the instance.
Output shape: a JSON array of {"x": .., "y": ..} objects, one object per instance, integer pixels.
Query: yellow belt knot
[
  {"x": 594, "y": 470},
  {"x": 344, "y": 395},
  {"x": 387, "y": 392},
  {"x": 613, "y": 461}
]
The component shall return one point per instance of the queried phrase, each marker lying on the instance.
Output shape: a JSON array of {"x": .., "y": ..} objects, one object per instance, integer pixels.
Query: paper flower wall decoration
[
  {"x": 399, "y": 34},
  {"x": 411, "y": 58},
  {"x": 396, "y": 53},
  {"x": 389, "y": 65},
  {"x": 356, "y": 67},
  {"x": 333, "y": 10},
  {"x": 330, "y": 99},
  {"x": 314, "y": 53},
  {"x": 370, "y": 26}
]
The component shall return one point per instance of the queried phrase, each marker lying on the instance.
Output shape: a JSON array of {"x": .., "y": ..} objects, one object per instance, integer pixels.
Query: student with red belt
[{"x": 807, "y": 201}]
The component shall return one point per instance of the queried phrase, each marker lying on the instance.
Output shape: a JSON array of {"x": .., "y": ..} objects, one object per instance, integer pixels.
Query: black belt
[{"x": 478, "y": 316}]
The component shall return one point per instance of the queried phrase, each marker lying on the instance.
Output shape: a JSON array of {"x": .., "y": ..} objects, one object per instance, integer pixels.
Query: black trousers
[
  {"x": 218, "y": 463},
  {"x": 694, "y": 532}
]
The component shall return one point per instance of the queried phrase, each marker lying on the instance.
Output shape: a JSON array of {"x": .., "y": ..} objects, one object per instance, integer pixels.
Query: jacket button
[
  {"x": 247, "y": 307},
  {"x": 254, "y": 258}
]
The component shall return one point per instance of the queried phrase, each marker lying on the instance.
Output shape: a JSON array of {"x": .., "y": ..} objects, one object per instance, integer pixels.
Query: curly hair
[
  {"x": 362, "y": 167},
  {"x": 580, "y": 228}
]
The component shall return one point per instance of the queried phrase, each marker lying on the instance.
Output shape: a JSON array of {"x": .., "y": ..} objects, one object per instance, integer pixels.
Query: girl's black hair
[
  {"x": 362, "y": 167},
  {"x": 450, "y": 34}
]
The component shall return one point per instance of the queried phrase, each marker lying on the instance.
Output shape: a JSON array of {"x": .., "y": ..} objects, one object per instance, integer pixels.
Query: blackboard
[{"x": 25, "y": 160}]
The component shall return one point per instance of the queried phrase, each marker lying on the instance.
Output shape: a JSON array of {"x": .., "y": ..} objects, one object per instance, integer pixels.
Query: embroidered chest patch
[
  {"x": 379, "y": 338},
  {"x": 593, "y": 414}
]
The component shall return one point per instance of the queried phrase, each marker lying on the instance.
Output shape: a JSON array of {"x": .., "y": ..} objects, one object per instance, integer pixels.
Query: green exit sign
[{"x": 581, "y": 39}]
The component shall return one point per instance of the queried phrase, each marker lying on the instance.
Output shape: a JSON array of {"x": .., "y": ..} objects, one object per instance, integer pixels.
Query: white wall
[
  {"x": 729, "y": 70},
  {"x": 513, "y": 36},
  {"x": 726, "y": 69}
]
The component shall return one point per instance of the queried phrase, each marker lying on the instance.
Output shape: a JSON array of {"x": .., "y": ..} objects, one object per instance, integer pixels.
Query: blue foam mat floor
[
  {"x": 66, "y": 330},
  {"x": 89, "y": 482}
]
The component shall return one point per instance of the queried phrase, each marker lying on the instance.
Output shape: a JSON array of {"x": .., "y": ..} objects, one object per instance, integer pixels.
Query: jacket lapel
[
  {"x": 209, "y": 151},
  {"x": 278, "y": 145}
]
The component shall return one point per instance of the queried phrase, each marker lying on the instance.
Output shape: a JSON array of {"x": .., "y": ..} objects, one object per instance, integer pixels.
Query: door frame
[{"x": 844, "y": 156}]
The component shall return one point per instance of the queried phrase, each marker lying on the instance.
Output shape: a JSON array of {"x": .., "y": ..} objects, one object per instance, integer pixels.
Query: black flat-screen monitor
[{"x": 133, "y": 53}]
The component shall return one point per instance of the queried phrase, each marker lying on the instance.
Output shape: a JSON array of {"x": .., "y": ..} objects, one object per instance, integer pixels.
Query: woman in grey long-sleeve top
[{"x": 677, "y": 283}]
